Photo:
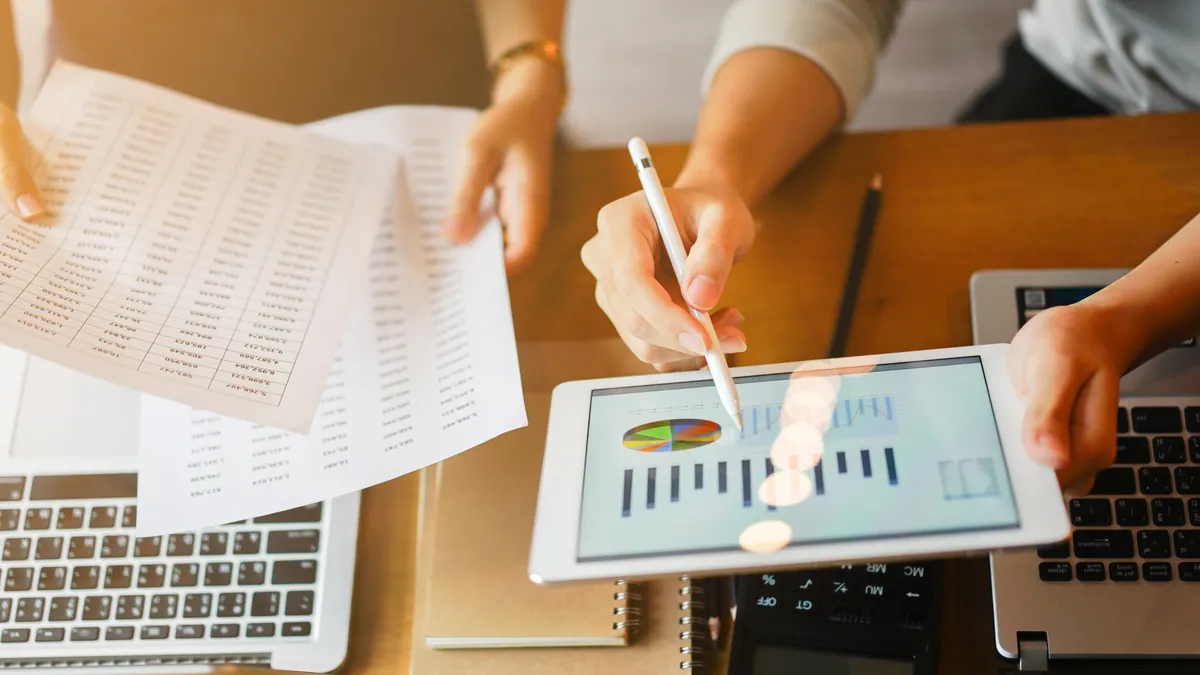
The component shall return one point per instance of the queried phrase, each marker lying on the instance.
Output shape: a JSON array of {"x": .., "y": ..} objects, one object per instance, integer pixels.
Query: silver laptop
[
  {"x": 80, "y": 592},
  {"x": 1127, "y": 583}
]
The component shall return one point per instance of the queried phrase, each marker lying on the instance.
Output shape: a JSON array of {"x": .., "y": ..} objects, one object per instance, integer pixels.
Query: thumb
[
  {"x": 1053, "y": 382},
  {"x": 710, "y": 259},
  {"x": 17, "y": 189},
  {"x": 479, "y": 166}
]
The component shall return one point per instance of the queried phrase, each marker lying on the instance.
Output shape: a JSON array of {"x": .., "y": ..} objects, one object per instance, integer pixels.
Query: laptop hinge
[{"x": 1033, "y": 653}]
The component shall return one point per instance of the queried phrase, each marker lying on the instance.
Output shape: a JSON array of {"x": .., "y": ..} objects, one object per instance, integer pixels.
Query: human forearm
[
  {"x": 766, "y": 110},
  {"x": 510, "y": 23},
  {"x": 10, "y": 63}
]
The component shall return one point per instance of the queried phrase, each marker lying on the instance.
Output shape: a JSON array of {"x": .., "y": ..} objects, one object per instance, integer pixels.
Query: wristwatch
[{"x": 546, "y": 50}]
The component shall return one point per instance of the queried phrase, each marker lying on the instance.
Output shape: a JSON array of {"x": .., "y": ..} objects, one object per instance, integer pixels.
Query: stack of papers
[{"x": 282, "y": 296}]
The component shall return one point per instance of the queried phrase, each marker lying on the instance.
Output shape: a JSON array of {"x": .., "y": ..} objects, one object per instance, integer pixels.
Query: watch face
[{"x": 776, "y": 660}]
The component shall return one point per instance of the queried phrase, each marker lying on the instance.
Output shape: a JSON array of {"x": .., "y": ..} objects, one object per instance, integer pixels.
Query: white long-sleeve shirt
[{"x": 1131, "y": 56}]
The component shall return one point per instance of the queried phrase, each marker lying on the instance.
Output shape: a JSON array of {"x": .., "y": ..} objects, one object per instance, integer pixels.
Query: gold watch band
[{"x": 546, "y": 50}]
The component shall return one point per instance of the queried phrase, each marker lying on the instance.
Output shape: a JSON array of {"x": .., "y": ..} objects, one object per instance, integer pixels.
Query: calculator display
[
  {"x": 775, "y": 660},
  {"x": 892, "y": 450}
]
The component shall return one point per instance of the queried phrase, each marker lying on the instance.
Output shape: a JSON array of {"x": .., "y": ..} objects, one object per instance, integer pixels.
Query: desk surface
[{"x": 1088, "y": 193}]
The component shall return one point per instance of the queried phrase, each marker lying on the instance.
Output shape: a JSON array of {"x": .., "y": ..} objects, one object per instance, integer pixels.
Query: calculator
[{"x": 869, "y": 619}]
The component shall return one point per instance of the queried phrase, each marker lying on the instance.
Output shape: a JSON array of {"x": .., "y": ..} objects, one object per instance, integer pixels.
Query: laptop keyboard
[
  {"x": 74, "y": 573},
  {"x": 1141, "y": 520}
]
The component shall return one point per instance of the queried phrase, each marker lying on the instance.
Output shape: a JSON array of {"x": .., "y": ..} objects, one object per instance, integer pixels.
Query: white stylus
[{"x": 669, "y": 233}]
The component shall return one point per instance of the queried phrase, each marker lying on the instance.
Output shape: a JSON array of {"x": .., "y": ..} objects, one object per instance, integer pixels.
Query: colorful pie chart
[{"x": 671, "y": 435}]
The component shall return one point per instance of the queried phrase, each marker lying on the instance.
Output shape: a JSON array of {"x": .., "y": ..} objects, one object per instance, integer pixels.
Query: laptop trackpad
[{"x": 64, "y": 413}]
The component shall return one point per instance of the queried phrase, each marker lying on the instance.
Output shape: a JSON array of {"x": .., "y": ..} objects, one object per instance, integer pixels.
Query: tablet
[{"x": 910, "y": 455}]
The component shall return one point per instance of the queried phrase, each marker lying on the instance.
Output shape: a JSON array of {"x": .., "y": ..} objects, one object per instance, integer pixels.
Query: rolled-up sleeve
[{"x": 843, "y": 37}]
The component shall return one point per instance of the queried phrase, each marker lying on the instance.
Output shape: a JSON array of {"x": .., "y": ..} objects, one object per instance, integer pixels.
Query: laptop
[
  {"x": 80, "y": 592},
  {"x": 1127, "y": 583}
]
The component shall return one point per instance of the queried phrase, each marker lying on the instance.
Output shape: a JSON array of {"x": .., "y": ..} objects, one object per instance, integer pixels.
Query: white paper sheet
[
  {"x": 192, "y": 252},
  {"x": 427, "y": 368}
]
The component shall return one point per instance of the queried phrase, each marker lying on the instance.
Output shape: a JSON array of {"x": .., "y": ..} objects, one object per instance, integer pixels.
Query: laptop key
[
  {"x": 130, "y": 607},
  {"x": 129, "y": 517},
  {"x": 181, "y": 545},
  {"x": 294, "y": 572},
  {"x": 118, "y": 576},
  {"x": 70, "y": 518},
  {"x": 1194, "y": 511},
  {"x": 85, "y": 578},
  {"x": 114, "y": 546},
  {"x": 1168, "y": 511},
  {"x": 163, "y": 606},
  {"x": 197, "y": 605},
  {"x": 15, "y": 548},
  {"x": 252, "y": 574},
  {"x": 37, "y": 519},
  {"x": 1054, "y": 571},
  {"x": 1103, "y": 543},
  {"x": 29, "y": 610},
  {"x": 1156, "y": 571},
  {"x": 247, "y": 543},
  {"x": 1089, "y": 571},
  {"x": 48, "y": 548},
  {"x": 152, "y": 576},
  {"x": 185, "y": 574},
  {"x": 231, "y": 605},
  {"x": 265, "y": 604},
  {"x": 1115, "y": 481},
  {"x": 1123, "y": 571},
  {"x": 302, "y": 628},
  {"x": 10, "y": 635},
  {"x": 96, "y": 607},
  {"x": 218, "y": 574},
  {"x": 225, "y": 630},
  {"x": 63, "y": 608},
  {"x": 300, "y": 603},
  {"x": 1187, "y": 480},
  {"x": 1122, "y": 421},
  {"x": 155, "y": 632},
  {"x": 1133, "y": 450},
  {"x": 5, "y": 609},
  {"x": 1194, "y": 449},
  {"x": 18, "y": 579},
  {"x": 1091, "y": 513},
  {"x": 1157, "y": 420},
  {"x": 1060, "y": 550},
  {"x": 50, "y": 635},
  {"x": 147, "y": 547},
  {"x": 1132, "y": 512},
  {"x": 81, "y": 548},
  {"x": 260, "y": 630},
  {"x": 1189, "y": 571},
  {"x": 1154, "y": 544},
  {"x": 102, "y": 517},
  {"x": 85, "y": 634},
  {"x": 118, "y": 633},
  {"x": 189, "y": 631},
  {"x": 1187, "y": 543},
  {"x": 1192, "y": 418},
  {"x": 10, "y": 519},
  {"x": 1169, "y": 450},
  {"x": 214, "y": 543},
  {"x": 293, "y": 541},
  {"x": 303, "y": 514},
  {"x": 1154, "y": 480},
  {"x": 52, "y": 579}
]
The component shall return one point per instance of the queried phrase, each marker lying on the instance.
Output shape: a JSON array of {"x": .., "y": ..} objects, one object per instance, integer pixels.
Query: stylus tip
[{"x": 737, "y": 420}]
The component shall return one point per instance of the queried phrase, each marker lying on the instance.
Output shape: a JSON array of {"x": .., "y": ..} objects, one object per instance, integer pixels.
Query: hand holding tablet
[{"x": 866, "y": 458}]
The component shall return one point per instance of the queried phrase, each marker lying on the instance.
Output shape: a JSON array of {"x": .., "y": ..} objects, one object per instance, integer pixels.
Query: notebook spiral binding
[
  {"x": 693, "y": 626},
  {"x": 627, "y": 615}
]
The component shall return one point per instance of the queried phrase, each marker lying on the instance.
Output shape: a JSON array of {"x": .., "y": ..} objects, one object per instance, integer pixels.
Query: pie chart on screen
[{"x": 671, "y": 435}]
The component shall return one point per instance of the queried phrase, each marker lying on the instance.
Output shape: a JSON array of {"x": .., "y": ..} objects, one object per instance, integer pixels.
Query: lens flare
[
  {"x": 784, "y": 488},
  {"x": 765, "y": 536}
]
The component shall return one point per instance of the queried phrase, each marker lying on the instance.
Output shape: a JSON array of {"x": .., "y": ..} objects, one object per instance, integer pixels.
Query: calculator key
[
  {"x": 1114, "y": 481},
  {"x": 225, "y": 630},
  {"x": 1133, "y": 450},
  {"x": 181, "y": 545},
  {"x": 152, "y": 576},
  {"x": 252, "y": 574},
  {"x": 147, "y": 547},
  {"x": 5, "y": 609},
  {"x": 10, "y": 635},
  {"x": 1157, "y": 420},
  {"x": 297, "y": 629},
  {"x": 118, "y": 633},
  {"x": 1169, "y": 450},
  {"x": 303, "y": 514},
  {"x": 16, "y": 548},
  {"x": 118, "y": 576},
  {"x": 247, "y": 543},
  {"x": 1187, "y": 480},
  {"x": 1192, "y": 417},
  {"x": 29, "y": 610},
  {"x": 1156, "y": 571},
  {"x": 130, "y": 607},
  {"x": 81, "y": 548},
  {"x": 293, "y": 541},
  {"x": 52, "y": 579},
  {"x": 155, "y": 632},
  {"x": 1154, "y": 544},
  {"x": 70, "y": 518},
  {"x": 10, "y": 519},
  {"x": 231, "y": 605},
  {"x": 214, "y": 543},
  {"x": 1122, "y": 421},
  {"x": 185, "y": 574},
  {"x": 1133, "y": 512},
  {"x": 1187, "y": 543},
  {"x": 300, "y": 603},
  {"x": 189, "y": 631},
  {"x": 114, "y": 546},
  {"x": 48, "y": 548},
  {"x": 294, "y": 572},
  {"x": 1168, "y": 511},
  {"x": 50, "y": 635},
  {"x": 85, "y": 634},
  {"x": 63, "y": 608},
  {"x": 1091, "y": 513},
  {"x": 18, "y": 579},
  {"x": 855, "y": 616},
  {"x": 197, "y": 605},
  {"x": 1103, "y": 543},
  {"x": 260, "y": 630},
  {"x": 1194, "y": 449},
  {"x": 102, "y": 517},
  {"x": 1054, "y": 571},
  {"x": 129, "y": 516},
  {"x": 264, "y": 603},
  {"x": 164, "y": 606},
  {"x": 96, "y": 607},
  {"x": 218, "y": 574},
  {"x": 1154, "y": 480},
  {"x": 85, "y": 578},
  {"x": 37, "y": 519}
]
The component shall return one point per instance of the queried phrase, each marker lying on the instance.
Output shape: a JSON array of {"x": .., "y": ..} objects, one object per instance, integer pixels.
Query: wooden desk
[{"x": 1091, "y": 193}]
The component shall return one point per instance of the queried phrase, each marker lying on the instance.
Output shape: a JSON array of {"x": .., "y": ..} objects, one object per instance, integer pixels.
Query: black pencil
[
  {"x": 712, "y": 601},
  {"x": 858, "y": 259}
]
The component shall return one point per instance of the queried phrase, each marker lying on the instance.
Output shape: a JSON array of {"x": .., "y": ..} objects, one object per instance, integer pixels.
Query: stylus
[{"x": 669, "y": 233}]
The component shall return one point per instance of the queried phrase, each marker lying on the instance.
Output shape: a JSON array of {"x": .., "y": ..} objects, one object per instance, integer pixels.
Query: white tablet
[{"x": 858, "y": 459}]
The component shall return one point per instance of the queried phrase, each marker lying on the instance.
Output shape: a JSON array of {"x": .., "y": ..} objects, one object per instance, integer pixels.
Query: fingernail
[
  {"x": 703, "y": 292},
  {"x": 28, "y": 206},
  {"x": 692, "y": 342},
  {"x": 733, "y": 345}
]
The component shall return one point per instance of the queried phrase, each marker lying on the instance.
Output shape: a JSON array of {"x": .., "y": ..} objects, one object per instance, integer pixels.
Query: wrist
[
  {"x": 704, "y": 173},
  {"x": 1121, "y": 325},
  {"x": 530, "y": 77}
]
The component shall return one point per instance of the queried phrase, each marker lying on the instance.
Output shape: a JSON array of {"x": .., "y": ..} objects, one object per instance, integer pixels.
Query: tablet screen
[{"x": 890, "y": 450}]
